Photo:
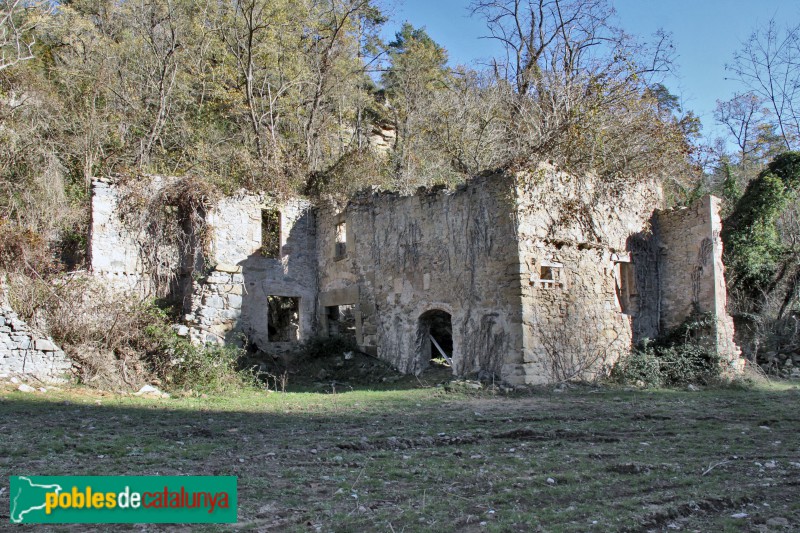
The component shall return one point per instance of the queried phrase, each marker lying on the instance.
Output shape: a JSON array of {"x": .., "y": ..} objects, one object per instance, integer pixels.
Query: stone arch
[{"x": 435, "y": 327}]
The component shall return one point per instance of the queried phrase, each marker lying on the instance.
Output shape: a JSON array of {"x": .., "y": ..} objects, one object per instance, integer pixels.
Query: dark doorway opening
[
  {"x": 283, "y": 319},
  {"x": 435, "y": 338}
]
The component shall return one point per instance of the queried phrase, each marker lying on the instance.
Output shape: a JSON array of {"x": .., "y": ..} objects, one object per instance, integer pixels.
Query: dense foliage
[{"x": 754, "y": 245}]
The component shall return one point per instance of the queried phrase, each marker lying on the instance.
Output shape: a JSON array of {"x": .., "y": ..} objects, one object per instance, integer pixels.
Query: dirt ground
[{"x": 424, "y": 459}]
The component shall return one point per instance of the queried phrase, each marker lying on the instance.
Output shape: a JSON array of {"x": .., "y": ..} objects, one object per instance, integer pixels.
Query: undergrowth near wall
[
  {"x": 685, "y": 355},
  {"x": 119, "y": 342}
]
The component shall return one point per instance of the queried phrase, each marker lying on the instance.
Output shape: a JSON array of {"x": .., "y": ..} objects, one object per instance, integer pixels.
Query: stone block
[
  {"x": 23, "y": 343},
  {"x": 231, "y": 314},
  {"x": 207, "y": 313},
  {"x": 44, "y": 345},
  {"x": 231, "y": 269},
  {"x": 232, "y": 289},
  {"x": 214, "y": 302},
  {"x": 235, "y": 301}
]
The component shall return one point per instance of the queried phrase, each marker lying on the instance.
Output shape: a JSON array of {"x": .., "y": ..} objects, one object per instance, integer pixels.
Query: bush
[
  {"x": 683, "y": 356},
  {"x": 209, "y": 368},
  {"x": 319, "y": 347},
  {"x": 640, "y": 367}
]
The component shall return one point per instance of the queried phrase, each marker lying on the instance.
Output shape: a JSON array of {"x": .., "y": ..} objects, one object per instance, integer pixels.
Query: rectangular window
[
  {"x": 341, "y": 240},
  {"x": 549, "y": 275},
  {"x": 341, "y": 321},
  {"x": 270, "y": 233},
  {"x": 283, "y": 319}
]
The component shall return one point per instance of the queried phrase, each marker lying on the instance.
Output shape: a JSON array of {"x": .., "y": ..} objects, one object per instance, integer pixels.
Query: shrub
[
  {"x": 640, "y": 367},
  {"x": 318, "y": 347},
  {"x": 209, "y": 368},
  {"x": 685, "y": 355}
]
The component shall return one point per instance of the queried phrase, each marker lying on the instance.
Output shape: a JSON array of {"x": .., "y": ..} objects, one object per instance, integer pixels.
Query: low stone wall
[{"x": 24, "y": 353}]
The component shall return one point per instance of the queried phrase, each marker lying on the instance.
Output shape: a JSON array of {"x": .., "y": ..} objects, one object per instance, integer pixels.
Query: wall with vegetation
[{"x": 453, "y": 251}]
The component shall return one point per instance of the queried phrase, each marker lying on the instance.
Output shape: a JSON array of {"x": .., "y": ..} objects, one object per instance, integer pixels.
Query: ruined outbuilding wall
[
  {"x": 691, "y": 271},
  {"x": 453, "y": 251},
  {"x": 545, "y": 276},
  {"x": 26, "y": 353},
  {"x": 232, "y": 297},
  {"x": 573, "y": 237},
  {"x": 113, "y": 251}
]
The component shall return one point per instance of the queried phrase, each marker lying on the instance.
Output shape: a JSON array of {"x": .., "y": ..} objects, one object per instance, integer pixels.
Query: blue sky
[{"x": 705, "y": 34}]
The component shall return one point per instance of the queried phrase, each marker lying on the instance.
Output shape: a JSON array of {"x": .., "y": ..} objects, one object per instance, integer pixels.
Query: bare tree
[
  {"x": 16, "y": 38},
  {"x": 155, "y": 63},
  {"x": 569, "y": 37},
  {"x": 741, "y": 116},
  {"x": 577, "y": 89},
  {"x": 769, "y": 65}
]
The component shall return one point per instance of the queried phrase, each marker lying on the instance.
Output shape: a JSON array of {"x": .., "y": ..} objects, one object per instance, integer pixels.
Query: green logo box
[{"x": 123, "y": 499}]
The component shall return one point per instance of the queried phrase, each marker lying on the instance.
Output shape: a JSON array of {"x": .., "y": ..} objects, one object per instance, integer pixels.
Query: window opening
[
  {"x": 283, "y": 319},
  {"x": 270, "y": 233}
]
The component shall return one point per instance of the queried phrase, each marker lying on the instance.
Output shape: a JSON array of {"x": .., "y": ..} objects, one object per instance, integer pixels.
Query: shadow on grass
[{"x": 422, "y": 459}]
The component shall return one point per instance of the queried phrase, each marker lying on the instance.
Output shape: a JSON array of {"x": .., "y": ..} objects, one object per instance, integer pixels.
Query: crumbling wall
[
  {"x": 232, "y": 298},
  {"x": 398, "y": 257},
  {"x": 113, "y": 250},
  {"x": 573, "y": 236},
  {"x": 691, "y": 270},
  {"x": 25, "y": 353}
]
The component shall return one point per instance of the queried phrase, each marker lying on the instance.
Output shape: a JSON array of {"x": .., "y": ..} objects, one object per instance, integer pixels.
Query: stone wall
[
  {"x": 534, "y": 277},
  {"x": 573, "y": 234},
  {"x": 400, "y": 257},
  {"x": 113, "y": 252},
  {"x": 233, "y": 298},
  {"x": 691, "y": 271},
  {"x": 25, "y": 353}
]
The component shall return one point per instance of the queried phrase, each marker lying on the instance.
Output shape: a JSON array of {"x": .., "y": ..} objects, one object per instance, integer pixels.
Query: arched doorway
[{"x": 435, "y": 339}]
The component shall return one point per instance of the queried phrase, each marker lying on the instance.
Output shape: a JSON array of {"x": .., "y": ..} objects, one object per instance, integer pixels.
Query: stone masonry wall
[
  {"x": 543, "y": 276},
  {"x": 232, "y": 299},
  {"x": 453, "y": 251},
  {"x": 25, "y": 353},
  {"x": 114, "y": 255},
  {"x": 691, "y": 271},
  {"x": 573, "y": 235}
]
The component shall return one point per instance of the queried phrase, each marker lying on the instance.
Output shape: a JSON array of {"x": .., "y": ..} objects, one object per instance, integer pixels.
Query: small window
[
  {"x": 341, "y": 321},
  {"x": 341, "y": 240},
  {"x": 270, "y": 233},
  {"x": 549, "y": 275},
  {"x": 283, "y": 319}
]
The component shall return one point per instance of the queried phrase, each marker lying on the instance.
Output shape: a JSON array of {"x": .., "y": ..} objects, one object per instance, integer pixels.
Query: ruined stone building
[{"x": 530, "y": 277}]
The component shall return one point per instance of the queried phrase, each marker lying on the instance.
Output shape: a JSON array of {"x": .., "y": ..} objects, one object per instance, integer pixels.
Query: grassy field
[{"x": 427, "y": 460}]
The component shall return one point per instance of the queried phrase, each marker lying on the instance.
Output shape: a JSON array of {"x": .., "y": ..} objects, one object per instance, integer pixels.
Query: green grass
[{"x": 425, "y": 460}]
